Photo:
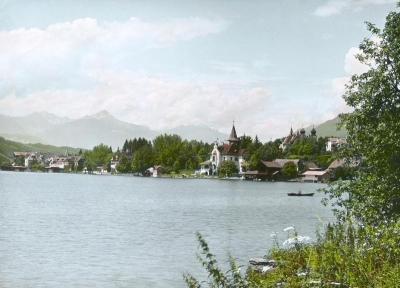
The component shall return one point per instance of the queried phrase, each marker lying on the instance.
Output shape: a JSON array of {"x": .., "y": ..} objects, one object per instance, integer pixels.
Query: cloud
[
  {"x": 351, "y": 63},
  {"x": 152, "y": 101},
  {"x": 70, "y": 69},
  {"x": 331, "y": 8},
  {"x": 334, "y": 7},
  {"x": 351, "y": 66},
  {"x": 57, "y": 55}
]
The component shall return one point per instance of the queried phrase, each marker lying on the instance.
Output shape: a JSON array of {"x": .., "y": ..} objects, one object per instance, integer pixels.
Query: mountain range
[
  {"x": 102, "y": 127},
  {"x": 88, "y": 131}
]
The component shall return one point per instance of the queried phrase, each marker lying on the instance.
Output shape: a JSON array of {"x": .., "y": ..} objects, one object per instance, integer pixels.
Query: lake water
[{"x": 65, "y": 230}]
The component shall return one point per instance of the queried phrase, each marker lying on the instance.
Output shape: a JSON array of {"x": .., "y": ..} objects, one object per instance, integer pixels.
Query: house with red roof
[{"x": 228, "y": 151}]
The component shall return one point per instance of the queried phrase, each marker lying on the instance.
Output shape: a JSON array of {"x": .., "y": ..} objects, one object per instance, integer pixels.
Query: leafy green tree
[
  {"x": 99, "y": 156},
  {"x": 19, "y": 161},
  {"x": 289, "y": 170},
  {"x": 80, "y": 165},
  {"x": 167, "y": 149},
  {"x": 374, "y": 128},
  {"x": 37, "y": 166},
  {"x": 124, "y": 165},
  {"x": 228, "y": 169},
  {"x": 255, "y": 161},
  {"x": 245, "y": 142},
  {"x": 143, "y": 159}
]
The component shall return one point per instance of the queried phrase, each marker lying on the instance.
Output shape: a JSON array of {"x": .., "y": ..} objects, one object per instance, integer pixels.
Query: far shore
[{"x": 168, "y": 176}]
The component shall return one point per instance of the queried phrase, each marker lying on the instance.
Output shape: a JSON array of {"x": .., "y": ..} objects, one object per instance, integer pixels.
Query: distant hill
[
  {"x": 89, "y": 131},
  {"x": 95, "y": 129},
  {"x": 329, "y": 128},
  {"x": 7, "y": 147},
  {"x": 31, "y": 124}
]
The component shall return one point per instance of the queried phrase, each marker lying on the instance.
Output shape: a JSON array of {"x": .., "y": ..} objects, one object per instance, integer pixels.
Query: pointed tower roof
[
  {"x": 233, "y": 136},
  {"x": 313, "y": 131}
]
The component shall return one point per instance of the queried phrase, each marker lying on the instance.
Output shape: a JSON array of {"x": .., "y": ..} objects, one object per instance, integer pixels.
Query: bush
[
  {"x": 289, "y": 170},
  {"x": 346, "y": 255},
  {"x": 228, "y": 169}
]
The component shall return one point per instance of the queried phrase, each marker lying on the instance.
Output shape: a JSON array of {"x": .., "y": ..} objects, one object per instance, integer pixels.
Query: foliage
[
  {"x": 228, "y": 168},
  {"x": 217, "y": 278},
  {"x": 344, "y": 173},
  {"x": 289, "y": 170},
  {"x": 323, "y": 161},
  {"x": 169, "y": 151},
  {"x": 142, "y": 159},
  {"x": 346, "y": 255},
  {"x": 374, "y": 129},
  {"x": 351, "y": 255},
  {"x": 308, "y": 146},
  {"x": 36, "y": 166},
  {"x": 266, "y": 152},
  {"x": 132, "y": 145},
  {"x": 7, "y": 147},
  {"x": 124, "y": 165},
  {"x": 99, "y": 156}
]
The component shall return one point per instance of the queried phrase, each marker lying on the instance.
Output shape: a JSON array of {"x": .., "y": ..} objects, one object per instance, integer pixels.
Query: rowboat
[{"x": 300, "y": 194}]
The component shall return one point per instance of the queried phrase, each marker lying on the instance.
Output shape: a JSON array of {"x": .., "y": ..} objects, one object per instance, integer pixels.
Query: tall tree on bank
[{"x": 374, "y": 129}]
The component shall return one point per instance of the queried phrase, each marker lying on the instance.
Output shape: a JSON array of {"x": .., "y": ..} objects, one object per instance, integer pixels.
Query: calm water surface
[{"x": 63, "y": 230}]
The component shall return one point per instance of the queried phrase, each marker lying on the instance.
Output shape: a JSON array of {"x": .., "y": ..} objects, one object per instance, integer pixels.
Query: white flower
[
  {"x": 291, "y": 242},
  {"x": 266, "y": 268},
  {"x": 290, "y": 228}
]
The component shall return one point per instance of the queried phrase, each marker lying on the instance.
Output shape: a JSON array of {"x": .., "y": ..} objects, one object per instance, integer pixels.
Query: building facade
[{"x": 229, "y": 151}]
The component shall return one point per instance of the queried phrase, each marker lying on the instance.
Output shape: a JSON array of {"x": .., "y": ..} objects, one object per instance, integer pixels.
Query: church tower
[{"x": 233, "y": 136}]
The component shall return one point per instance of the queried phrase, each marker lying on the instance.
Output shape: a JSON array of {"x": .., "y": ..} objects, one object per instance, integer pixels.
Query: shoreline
[{"x": 167, "y": 177}]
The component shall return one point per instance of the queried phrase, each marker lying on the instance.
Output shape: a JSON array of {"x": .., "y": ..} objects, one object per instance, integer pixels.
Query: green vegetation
[
  {"x": 362, "y": 248},
  {"x": 170, "y": 151},
  {"x": 310, "y": 149},
  {"x": 228, "y": 169},
  {"x": 7, "y": 148},
  {"x": 258, "y": 151},
  {"x": 330, "y": 129},
  {"x": 100, "y": 156},
  {"x": 289, "y": 170}
]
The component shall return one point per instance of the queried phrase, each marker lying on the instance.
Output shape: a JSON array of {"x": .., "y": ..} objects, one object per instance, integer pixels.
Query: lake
[{"x": 66, "y": 230}]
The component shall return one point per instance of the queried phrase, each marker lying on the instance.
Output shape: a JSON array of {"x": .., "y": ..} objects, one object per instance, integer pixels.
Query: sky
[{"x": 267, "y": 65}]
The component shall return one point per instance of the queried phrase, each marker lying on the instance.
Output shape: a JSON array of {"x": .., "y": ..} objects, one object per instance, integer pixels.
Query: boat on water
[{"x": 299, "y": 193}]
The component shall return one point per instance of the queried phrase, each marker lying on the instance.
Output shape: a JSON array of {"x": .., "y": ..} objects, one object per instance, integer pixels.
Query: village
[{"x": 227, "y": 160}]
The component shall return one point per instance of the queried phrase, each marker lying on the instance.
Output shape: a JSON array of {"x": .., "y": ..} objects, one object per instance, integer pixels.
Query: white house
[
  {"x": 114, "y": 163},
  {"x": 226, "y": 152},
  {"x": 334, "y": 143}
]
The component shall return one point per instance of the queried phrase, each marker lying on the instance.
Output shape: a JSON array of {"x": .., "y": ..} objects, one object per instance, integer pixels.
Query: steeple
[
  {"x": 233, "y": 136},
  {"x": 313, "y": 131}
]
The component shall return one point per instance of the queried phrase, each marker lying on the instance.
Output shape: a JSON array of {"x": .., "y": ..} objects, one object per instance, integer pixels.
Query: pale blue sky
[{"x": 266, "y": 64}]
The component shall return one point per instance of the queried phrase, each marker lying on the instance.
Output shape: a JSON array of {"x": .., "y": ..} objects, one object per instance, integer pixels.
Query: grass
[{"x": 346, "y": 255}]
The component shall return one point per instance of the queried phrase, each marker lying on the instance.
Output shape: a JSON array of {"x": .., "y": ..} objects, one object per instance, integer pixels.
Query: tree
[
  {"x": 143, "y": 159},
  {"x": 289, "y": 170},
  {"x": 228, "y": 169},
  {"x": 99, "y": 156},
  {"x": 124, "y": 165},
  {"x": 374, "y": 129}
]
